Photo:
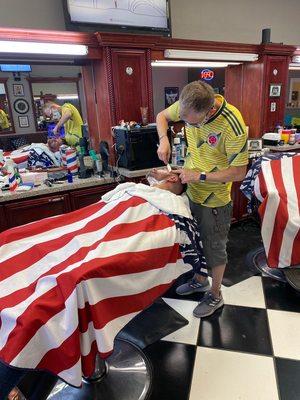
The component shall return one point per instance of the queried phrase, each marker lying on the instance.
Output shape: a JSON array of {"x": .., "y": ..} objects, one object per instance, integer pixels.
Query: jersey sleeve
[
  {"x": 236, "y": 146},
  {"x": 66, "y": 108},
  {"x": 173, "y": 112}
]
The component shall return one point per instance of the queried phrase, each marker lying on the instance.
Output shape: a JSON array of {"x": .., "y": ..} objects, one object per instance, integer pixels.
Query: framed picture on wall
[
  {"x": 275, "y": 90},
  {"x": 18, "y": 89},
  {"x": 171, "y": 95},
  {"x": 23, "y": 121}
]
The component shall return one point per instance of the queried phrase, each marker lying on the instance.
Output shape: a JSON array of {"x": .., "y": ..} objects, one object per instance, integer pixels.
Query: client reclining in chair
[{"x": 69, "y": 284}]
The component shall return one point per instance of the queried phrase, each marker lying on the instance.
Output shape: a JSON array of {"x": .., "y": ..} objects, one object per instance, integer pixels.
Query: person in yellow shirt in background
[
  {"x": 216, "y": 156},
  {"x": 4, "y": 122},
  {"x": 67, "y": 115}
]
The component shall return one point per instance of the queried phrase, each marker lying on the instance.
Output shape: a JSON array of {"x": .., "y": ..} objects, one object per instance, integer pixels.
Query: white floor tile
[
  {"x": 226, "y": 375},
  {"x": 189, "y": 333},
  {"x": 248, "y": 293},
  {"x": 285, "y": 328}
]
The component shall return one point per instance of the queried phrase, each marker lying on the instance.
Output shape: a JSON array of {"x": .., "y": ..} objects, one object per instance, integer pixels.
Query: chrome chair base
[
  {"x": 260, "y": 262},
  {"x": 125, "y": 375}
]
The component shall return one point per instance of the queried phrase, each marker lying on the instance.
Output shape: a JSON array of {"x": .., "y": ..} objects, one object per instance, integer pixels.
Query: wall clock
[{"x": 21, "y": 106}]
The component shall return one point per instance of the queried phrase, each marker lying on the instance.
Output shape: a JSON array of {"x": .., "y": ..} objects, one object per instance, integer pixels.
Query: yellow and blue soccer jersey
[{"x": 217, "y": 145}]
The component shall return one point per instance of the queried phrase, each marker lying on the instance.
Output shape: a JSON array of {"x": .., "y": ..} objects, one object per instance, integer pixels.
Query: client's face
[
  {"x": 54, "y": 144},
  {"x": 164, "y": 179},
  {"x": 158, "y": 175}
]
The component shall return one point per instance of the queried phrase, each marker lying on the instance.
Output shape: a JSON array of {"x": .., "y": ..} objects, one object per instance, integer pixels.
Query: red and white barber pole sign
[{"x": 207, "y": 74}]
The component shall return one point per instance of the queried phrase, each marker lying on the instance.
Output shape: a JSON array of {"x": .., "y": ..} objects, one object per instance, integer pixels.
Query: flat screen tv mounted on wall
[{"x": 144, "y": 16}]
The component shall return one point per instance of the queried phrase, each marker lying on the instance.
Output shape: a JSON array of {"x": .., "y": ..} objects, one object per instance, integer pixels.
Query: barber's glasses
[{"x": 197, "y": 124}]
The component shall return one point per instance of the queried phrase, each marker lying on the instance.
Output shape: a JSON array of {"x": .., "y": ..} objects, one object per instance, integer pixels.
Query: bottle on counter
[
  {"x": 69, "y": 176},
  {"x": 178, "y": 149},
  {"x": 174, "y": 153}
]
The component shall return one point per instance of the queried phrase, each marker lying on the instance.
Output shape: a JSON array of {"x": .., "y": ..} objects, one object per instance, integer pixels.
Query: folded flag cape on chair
[
  {"x": 69, "y": 284},
  {"x": 277, "y": 187}
]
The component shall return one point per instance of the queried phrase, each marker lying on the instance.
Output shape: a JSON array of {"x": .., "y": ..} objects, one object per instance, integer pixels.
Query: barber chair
[
  {"x": 258, "y": 259},
  {"x": 126, "y": 374}
]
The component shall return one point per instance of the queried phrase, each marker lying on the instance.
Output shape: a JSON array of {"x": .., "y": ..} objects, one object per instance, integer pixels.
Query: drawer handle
[{"x": 55, "y": 199}]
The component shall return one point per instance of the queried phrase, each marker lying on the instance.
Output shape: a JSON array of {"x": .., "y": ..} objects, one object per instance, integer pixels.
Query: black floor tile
[
  {"x": 237, "y": 328},
  {"x": 280, "y": 296},
  {"x": 172, "y": 370},
  {"x": 288, "y": 373},
  {"x": 243, "y": 238}
]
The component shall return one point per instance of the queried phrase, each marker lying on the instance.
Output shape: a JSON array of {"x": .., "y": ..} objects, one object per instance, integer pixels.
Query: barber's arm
[
  {"x": 230, "y": 174},
  {"x": 164, "y": 149},
  {"x": 64, "y": 118}
]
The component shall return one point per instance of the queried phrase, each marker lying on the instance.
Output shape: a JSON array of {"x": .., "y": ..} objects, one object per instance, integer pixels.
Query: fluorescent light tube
[
  {"x": 43, "y": 48},
  {"x": 210, "y": 55},
  {"x": 294, "y": 67},
  {"x": 67, "y": 96},
  {"x": 191, "y": 64}
]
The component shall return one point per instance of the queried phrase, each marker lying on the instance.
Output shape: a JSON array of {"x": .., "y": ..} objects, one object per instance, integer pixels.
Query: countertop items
[
  {"x": 286, "y": 147},
  {"x": 55, "y": 188}
]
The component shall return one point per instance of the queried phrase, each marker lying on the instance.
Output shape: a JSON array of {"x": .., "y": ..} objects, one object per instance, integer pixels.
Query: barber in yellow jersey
[
  {"x": 67, "y": 115},
  {"x": 216, "y": 157},
  {"x": 4, "y": 122}
]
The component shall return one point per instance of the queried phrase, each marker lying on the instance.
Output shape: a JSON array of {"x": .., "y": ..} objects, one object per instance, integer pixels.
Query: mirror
[
  {"x": 5, "y": 114},
  {"x": 294, "y": 93},
  {"x": 57, "y": 90}
]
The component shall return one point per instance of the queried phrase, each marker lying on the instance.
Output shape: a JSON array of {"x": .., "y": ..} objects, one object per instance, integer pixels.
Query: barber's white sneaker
[
  {"x": 208, "y": 305},
  {"x": 193, "y": 286}
]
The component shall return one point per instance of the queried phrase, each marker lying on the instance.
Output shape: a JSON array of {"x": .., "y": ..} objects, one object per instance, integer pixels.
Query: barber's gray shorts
[{"x": 214, "y": 224}]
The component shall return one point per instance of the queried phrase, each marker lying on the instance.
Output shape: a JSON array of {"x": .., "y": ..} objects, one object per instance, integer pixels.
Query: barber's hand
[
  {"x": 164, "y": 150},
  {"x": 187, "y": 175},
  {"x": 55, "y": 131}
]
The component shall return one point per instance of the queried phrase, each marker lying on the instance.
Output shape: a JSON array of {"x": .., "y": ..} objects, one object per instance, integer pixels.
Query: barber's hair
[
  {"x": 47, "y": 106},
  {"x": 197, "y": 96}
]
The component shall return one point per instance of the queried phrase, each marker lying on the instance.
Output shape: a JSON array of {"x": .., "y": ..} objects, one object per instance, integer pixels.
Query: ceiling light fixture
[
  {"x": 296, "y": 59},
  {"x": 191, "y": 64},
  {"x": 209, "y": 55},
  {"x": 43, "y": 48},
  {"x": 67, "y": 96},
  {"x": 294, "y": 66}
]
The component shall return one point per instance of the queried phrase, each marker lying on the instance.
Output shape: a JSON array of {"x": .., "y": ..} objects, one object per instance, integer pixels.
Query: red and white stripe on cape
[
  {"x": 17, "y": 158},
  {"x": 69, "y": 284},
  {"x": 277, "y": 187}
]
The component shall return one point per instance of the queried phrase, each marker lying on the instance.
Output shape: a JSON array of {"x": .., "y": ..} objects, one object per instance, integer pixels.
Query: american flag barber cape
[
  {"x": 277, "y": 187},
  {"x": 69, "y": 284}
]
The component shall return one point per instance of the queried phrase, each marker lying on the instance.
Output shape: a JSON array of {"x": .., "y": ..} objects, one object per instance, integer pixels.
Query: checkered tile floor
[{"x": 248, "y": 350}]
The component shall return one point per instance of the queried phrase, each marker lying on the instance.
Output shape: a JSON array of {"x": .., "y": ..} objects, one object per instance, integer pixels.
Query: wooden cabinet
[
  {"x": 15, "y": 213},
  {"x": 3, "y": 224},
  {"x": 239, "y": 203},
  {"x": 131, "y": 76},
  {"x": 25, "y": 211},
  {"x": 85, "y": 197}
]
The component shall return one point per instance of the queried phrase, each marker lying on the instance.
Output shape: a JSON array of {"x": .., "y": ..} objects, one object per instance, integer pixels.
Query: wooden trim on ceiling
[
  {"x": 157, "y": 44},
  {"x": 277, "y": 49},
  {"x": 43, "y": 35}
]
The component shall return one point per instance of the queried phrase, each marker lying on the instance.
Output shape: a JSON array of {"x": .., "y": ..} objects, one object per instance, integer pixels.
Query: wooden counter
[{"x": 24, "y": 207}]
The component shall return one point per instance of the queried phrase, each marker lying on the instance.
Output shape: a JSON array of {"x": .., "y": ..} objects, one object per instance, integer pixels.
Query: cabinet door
[
  {"x": 85, "y": 197},
  {"x": 131, "y": 83},
  {"x": 3, "y": 224},
  {"x": 26, "y": 211},
  {"x": 239, "y": 203}
]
